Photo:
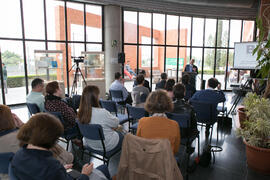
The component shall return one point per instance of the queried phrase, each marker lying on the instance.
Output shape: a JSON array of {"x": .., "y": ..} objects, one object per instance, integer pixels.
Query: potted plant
[{"x": 256, "y": 132}]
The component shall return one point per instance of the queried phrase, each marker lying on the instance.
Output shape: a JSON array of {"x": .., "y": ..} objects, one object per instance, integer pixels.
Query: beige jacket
[{"x": 146, "y": 159}]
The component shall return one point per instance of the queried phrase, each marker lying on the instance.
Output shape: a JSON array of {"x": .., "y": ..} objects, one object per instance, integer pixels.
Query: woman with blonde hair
[
  {"x": 158, "y": 126},
  {"x": 90, "y": 112}
]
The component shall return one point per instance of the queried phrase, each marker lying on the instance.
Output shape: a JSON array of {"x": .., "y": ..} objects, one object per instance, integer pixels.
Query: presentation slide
[{"x": 243, "y": 58}]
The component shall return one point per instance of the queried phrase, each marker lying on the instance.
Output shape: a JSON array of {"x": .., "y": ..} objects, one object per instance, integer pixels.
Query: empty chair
[
  {"x": 206, "y": 114},
  {"x": 32, "y": 108},
  {"x": 134, "y": 114},
  {"x": 95, "y": 132},
  {"x": 183, "y": 121},
  {"x": 111, "y": 106}
]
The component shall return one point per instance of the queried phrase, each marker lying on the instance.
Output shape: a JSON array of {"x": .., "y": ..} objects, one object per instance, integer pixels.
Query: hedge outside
[{"x": 19, "y": 81}]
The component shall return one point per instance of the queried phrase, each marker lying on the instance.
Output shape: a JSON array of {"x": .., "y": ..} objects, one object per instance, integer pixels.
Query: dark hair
[
  {"x": 163, "y": 76},
  {"x": 140, "y": 79},
  {"x": 179, "y": 91},
  {"x": 158, "y": 102},
  {"x": 213, "y": 83},
  {"x": 117, "y": 75},
  {"x": 169, "y": 84},
  {"x": 89, "y": 99},
  {"x": 52, "y": 87},
  {"x": 142, "y": 72},
  {"x": 41, "y": 130},
  {"x": 185, "y": 79},
  {"x": 36, "y": 82},
  {"x": 6, "y": 118}
]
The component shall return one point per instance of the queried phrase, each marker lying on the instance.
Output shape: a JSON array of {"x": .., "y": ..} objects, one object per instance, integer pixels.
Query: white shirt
[{"x": 107, "y": 121}]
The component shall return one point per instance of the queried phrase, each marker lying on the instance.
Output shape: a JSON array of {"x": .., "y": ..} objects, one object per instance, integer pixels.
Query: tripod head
[{"x": 78, "y": 59}]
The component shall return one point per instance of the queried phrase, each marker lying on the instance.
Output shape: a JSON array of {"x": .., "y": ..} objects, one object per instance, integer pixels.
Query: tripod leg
[
  {"x": 74, "y": 86},
  {"x": 82, "y": 76}
]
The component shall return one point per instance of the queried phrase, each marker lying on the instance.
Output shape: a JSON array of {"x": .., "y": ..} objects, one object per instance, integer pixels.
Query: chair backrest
[
  {"x": 76, "y": 99},
  {"x": 4, "y": 161},
  {"x": 59, "y": 116},
  {"x": 117, "y": 94},
  {"x": 32, "y": 108},
  {"x": 91, "y": 131},
  {"x": 136, "y": 112},
  {"x": 206, "y": 112},
  {"x": 110, "y": 106},
  {"x": 183, "y": 120}
]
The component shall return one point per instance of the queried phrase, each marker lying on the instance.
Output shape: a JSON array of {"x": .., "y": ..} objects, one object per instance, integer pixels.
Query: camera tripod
[{"x": 78, "y": 72}]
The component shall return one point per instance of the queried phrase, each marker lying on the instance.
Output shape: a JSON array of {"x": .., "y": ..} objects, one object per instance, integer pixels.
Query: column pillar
[{"x": 113, "y": 42}]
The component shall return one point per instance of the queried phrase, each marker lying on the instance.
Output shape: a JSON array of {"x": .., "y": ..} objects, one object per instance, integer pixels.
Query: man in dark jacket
[
  {"x": 181, "y": 107},
  {"x": 161, "y": 84}
]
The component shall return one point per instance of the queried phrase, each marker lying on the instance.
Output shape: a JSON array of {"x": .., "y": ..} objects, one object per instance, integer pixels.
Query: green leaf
[{"x": 255, "y": 50}]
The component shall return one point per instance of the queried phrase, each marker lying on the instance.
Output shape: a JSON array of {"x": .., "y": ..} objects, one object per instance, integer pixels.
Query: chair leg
[
  {"x": 211, "y": 134},
  {"x": 198, "y": 145},
  {"x": 67, "y": 145}
]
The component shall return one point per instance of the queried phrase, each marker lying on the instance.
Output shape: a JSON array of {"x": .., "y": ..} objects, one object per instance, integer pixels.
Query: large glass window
[
  {"x": 197, "y": 31},
  {"x": 210, "y": 32},
  {"x": 207, "y": 40},
  {"x": 222, "y": 35},
  {"x": 159, "y": 28},
  {"x": 75, "y": 23},
  {"x": 172, "y": 30},
  {"x": 55, "y": 11},
  {"x": 33, "y": 12},
  {"x": 93, "y": 23},
  {"x": 130, "y": 27},
  {"x": 10, "y": 19},
  {"x": 14, "y": 80},
  {"x": 145, "y": 28},
  {"x": 45, "y": 58}
]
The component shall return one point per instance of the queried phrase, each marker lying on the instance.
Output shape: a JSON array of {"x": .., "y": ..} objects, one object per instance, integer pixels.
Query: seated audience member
[
  {"x": 90, "y": 112},
  {"x": 181, "y": 107},
  {"x": 35, "y": 160},
  {"x": 146, "y": 83},
  {"x": 139, "y": 92},
  {"x": 210, "y": 95},
  {"x": 161, "y": 84},
  {"x": 119, "y": 85},
  {"x": 188, "y": 86},
  {"x": 158, "y": 126},
  {"x": 54, "y": 103},
  {"x": 9, "y": 124},
  {"x": 169, "y": 87},
  {"x": 36, "y": 96}
]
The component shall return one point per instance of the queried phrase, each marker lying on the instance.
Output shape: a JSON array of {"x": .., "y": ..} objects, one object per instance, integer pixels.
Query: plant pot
[
  {"x": 242, "y": 116},
  {"x": 258, "y": 158}
]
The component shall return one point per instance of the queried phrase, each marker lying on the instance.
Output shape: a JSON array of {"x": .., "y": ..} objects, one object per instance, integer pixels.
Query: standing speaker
[{"x": 121, "y": 58}]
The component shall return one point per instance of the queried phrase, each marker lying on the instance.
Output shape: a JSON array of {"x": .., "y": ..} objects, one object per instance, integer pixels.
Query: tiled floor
[{"x": 230, "y": 164}]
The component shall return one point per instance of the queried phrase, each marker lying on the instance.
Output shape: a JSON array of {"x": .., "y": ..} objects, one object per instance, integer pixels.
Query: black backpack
[{"x": 205, "y": 158}]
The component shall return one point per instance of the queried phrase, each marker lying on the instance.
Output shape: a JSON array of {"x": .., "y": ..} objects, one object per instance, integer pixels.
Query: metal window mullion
[
  {"x": 66, "y": 42},
  {"x": 45, "y": 24},
  {"x": 204, "y": 26},
  {"x": 84, "y": 26},
  {"x": 24, "y": 48},
  {"x": 165, "y": 43},
  {"x": 177, "y": 54},
  {"x": 215, "y": 48},
  {"x": 103, "y": 32},
  {"x": 2, "y": 80},
  {"x": 227, "y": 61},
  {"x": 191, "y": 34},
  {"x": 151, "y": 64},
  {"x": 138, "y": 48}
]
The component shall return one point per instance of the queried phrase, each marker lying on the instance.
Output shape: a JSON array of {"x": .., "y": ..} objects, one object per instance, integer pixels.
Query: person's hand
[
  {"x": 18, "y": 123},
  {"x": 87, "y": 169},
  {"x": 68, "y": 166}
]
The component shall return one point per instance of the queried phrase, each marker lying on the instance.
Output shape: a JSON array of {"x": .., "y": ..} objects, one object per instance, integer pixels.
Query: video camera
[{"x": 78, "y": 59}]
